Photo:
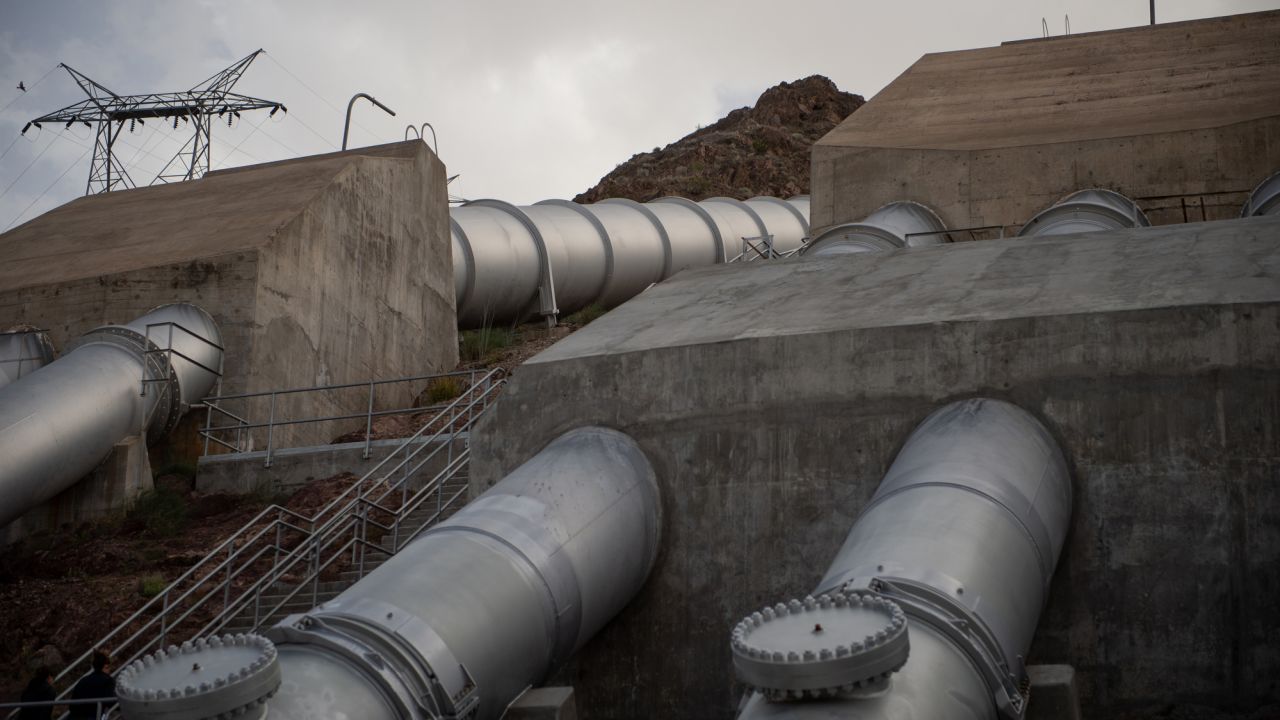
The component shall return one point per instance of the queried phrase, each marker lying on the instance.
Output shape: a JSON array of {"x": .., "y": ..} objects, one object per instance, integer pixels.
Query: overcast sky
[{"x": 531, "y": 100}]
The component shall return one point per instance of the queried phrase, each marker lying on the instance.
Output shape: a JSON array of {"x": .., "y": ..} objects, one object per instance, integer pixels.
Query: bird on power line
[{"x": 22, "y": 87}]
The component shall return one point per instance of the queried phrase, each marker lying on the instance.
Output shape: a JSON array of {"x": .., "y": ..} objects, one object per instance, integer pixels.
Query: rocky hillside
[{"x": 760, "y": 150}]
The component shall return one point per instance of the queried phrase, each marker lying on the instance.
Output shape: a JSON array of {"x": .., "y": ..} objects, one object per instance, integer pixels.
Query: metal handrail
[
  {"x": 313, "y": 536},
  {"x": 215, "y": 404},
  {"x": 98, "y": 703}
]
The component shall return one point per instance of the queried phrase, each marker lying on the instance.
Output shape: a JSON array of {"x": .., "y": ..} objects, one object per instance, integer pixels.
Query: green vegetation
[
  {"x": 479, "y": 345},
  {"x": 160, "y": 513},
  {"x": 760, "y": 146},
  {"x": 150, "y": 586},
  {"x": 586, "y": 314},
  {"x": 444, "y": 389}
]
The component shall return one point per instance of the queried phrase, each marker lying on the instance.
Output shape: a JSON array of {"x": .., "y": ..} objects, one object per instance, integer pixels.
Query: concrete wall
[
  {"x": 1181, "y": 117},
  {"x": 772, "y": 397},
  {"x": 223, "y": 285},
  {"x": 1174, "y": 177},
  {"x": 359, "y": 286},
  {"x": 339, "y": 271}
]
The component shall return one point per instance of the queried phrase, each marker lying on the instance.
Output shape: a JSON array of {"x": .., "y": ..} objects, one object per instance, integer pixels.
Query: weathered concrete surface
[
  {"x": 291, "y": 468},
  {"x": 547, "y": 703},
  {"x": 1182, "y": 117},
  {"x": 111, "y": 488},
  {"x": 1053, "y": 693},
  {"x": 319, "y": 270},
  {"x": 772, "y": 397}
]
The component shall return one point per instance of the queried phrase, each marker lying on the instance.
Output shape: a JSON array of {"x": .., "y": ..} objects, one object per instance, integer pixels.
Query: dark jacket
[
  {"x": 96, "y": 684},
  {"x": 38, "y": 690}
]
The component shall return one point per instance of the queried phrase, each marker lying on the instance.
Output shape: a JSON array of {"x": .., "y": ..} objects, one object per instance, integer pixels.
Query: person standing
[
  {"x": 40, "y": 689},
  {"x": 97, "y": 684}
]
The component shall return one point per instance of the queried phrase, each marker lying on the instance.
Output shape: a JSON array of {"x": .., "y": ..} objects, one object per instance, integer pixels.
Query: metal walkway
[{"x": 282, "y": 562}]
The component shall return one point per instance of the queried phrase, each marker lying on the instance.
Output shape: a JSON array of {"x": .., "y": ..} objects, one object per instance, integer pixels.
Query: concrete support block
[
  {"x": 547, "y": 703},
  {"x": 111, "y": 487},
  {"x": 1053, "y": 693}
]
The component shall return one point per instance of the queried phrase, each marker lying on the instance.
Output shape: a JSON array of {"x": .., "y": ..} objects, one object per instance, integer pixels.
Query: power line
[
  {"x": 236, "y": 149},
  {"x": 33, "y": 87},
  {"x": 46, "y": 191},
  {"x": 197, "y": 106},
  {"x": 11, "y": 144},
  {"x": 313, "y": 132},
  {"x": 29, "y": 165},
  {"x": 322, "y": 98}
]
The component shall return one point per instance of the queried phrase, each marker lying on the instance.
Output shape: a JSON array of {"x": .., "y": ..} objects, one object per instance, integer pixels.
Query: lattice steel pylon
[{"x": 196, "y": 106}]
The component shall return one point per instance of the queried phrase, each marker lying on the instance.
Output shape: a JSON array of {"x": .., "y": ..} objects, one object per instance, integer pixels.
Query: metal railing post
[
  {"x": 164, "y": 617},
  {"x": 368, "y": 425},
  {"x": 226, "y": 588},
  {"x": 326, "y": 529},
  {"x": 208, "y": 423},
  {"x": 271, "y": 421}
]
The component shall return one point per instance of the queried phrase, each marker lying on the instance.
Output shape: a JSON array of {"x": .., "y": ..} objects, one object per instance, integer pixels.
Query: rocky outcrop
[{"x": 760, "y": 150}]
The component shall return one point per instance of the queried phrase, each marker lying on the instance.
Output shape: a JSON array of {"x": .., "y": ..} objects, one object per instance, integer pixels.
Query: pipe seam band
[
  {"x": 998, "y": 493},
  {"x": 657, "y": 224},
  {"x": 505, "y": 521},
  {"x": 606, "y": 285}
]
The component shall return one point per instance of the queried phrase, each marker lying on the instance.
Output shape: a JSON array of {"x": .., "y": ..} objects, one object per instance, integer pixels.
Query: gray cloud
[{"x": 530, "y": 100}]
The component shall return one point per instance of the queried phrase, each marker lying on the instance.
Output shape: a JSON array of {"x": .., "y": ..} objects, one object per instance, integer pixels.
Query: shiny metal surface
[
  {"x": 22, "y": 352},
  {"x": 1086, "y": 211},
  {"x": 973, "y": 513},
  {"x": 1265, "y": 199},
  {"x": 896, "y": 225},
  {"x": 495, "y": 598},
  {"x": 556, "y": 257},
  {"x": 57, "y": 424}
]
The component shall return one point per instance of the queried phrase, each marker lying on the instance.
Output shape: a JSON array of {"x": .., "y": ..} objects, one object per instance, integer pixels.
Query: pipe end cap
[
  {"x": 225, "y": 676},
  {"x": 831, "y": 645}
]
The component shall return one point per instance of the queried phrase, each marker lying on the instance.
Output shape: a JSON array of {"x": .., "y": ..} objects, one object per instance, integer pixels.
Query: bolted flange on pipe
[
  {"x": 117, "y": 381},
  {"x": 963, "y": 536},
  {"x": 487, "y": 603}
]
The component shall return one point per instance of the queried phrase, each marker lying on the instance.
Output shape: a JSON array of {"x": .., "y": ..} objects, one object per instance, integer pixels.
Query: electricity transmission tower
[{"x": 196, "y": 107}]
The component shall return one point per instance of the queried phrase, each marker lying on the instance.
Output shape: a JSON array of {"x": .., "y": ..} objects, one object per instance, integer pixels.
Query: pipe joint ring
[{"x": 511, "y": 522}]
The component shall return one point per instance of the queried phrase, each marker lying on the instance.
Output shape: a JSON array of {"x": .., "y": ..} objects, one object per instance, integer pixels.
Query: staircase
[
  {"x": 282, "y": 562},
  {"x": 285, "y": 598}
]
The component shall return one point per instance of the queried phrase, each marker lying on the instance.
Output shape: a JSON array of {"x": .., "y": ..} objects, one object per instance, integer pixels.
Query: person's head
[
  {"x": 42, "y": 675},
  {"x": 101, "y": 661}
]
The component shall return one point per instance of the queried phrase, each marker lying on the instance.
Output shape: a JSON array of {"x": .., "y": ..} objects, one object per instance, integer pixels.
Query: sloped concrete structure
[
  {"x": 772, "y": 397},
  {"x": 1182, "y": 117},
  {"x": 326, "y": 269}
]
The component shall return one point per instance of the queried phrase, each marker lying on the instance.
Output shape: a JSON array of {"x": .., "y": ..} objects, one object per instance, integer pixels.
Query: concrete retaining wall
[
  {"x": 319, "y": 270},
  {"x": 772, "y": 397}
]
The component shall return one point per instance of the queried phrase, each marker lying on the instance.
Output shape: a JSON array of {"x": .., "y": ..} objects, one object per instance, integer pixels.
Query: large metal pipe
[
  {"x": 1086, "y": 211},
  {"x": 460, "y": 622},
  {"x": 962, "y": 535},
  {"x": 1265, "y": 199},
  {"x": 896, "y": 225},
  {"x": 555, "y": 257},
  {"x": 22, "y": 352},
  {"x": 58, "y": 423}
]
